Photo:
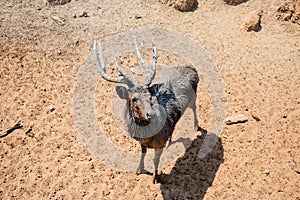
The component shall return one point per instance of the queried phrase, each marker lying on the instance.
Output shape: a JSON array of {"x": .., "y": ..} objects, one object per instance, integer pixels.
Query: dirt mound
[
  {"x": 181, "y": 5},
  {"x": 289, "y": 11}
]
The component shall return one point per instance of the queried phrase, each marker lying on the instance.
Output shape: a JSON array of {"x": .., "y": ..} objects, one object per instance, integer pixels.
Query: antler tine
[
  {"x": 126, "y": 78},
  {"x": 154, "y": 61},
  {"x": 101, "y": 57},
  {"x": 140, "y": 56},
  {"x": 150, "y": 72},
  {"x": 102, "y": 68}
]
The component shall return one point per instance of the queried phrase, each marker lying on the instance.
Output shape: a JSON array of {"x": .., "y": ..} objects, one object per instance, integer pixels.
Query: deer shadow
[{"x": 191, "y": 175}]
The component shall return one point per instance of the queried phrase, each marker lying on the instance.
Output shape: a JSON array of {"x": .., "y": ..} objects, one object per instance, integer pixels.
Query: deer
[{"x": 152, "y": 110}]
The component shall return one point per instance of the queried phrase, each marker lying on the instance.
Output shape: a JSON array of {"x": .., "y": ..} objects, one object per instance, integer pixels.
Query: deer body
[{"x": 153, "y": 111}]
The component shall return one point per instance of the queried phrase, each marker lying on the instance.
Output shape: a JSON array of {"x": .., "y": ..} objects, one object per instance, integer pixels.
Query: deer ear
[
  {"x": 122, "y": 92},
  {"x": 154, "y": 89}
]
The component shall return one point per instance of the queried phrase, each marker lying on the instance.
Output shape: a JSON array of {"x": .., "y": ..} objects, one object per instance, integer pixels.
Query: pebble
[
  {"x": 137, "y": 16},
  {"x": 235, "y": 119},
  {"x": 234, "y": 2},
  {"x": 57, "y": 19},
  {"x": 51, "y": 108},
  {"x": 84, "y": 14},
  {"x": 267, "y": 172},
  {"x": 29, "y": 130},
  {"x": 256, "y": 118},
  {"x": 252, "y": 21},
  {"x": 180, "y": 5}
]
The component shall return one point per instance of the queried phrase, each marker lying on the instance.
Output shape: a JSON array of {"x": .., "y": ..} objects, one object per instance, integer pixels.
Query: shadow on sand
[{"x": 191, "y": 175}]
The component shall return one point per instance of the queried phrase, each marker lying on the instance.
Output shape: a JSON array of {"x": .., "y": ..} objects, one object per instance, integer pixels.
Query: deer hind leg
[
  {"x": 141, "y": 168},
  {"x": 194, "y": 108},
  {"x": 157, "y": 155}
]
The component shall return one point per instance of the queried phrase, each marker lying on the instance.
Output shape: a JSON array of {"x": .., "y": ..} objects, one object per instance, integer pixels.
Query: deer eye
[
  {"x": 151, "y": 101},
  {"x": 134, "y": 100}
]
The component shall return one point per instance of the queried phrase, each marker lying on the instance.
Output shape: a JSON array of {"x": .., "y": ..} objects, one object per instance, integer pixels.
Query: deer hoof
[
  {"x": 156, "y": 179},
  {"x": 143, "y": 171}
]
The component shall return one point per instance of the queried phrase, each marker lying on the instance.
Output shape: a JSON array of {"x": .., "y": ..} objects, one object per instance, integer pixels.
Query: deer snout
[{"x": 150, "y": 115}]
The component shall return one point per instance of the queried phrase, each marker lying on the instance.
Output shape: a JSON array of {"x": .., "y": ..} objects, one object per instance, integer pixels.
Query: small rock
[
  {"x": 84, "y": 14},
  {"x": 181, "y": 5},
  {"x": 184, "y": 5},
  {"x": 92, "y": 166},
  {"x": 29, "y": 129},
  {"x": 256, "y": 118},
  {"x": 267, "y": 172},
  {"x": 235, "y": 119},
  {"x": 284, "y": 116},
  {"x": 28, "y": 132},
  {"x": 58, "y": 2},
  {"x": 252, "y": 21},
  {"x": 57, "y": 19},
  {"x": 137, "y": 16},
  {"x": 51, "y": 108},
  {"x": 234, "y": 2}
]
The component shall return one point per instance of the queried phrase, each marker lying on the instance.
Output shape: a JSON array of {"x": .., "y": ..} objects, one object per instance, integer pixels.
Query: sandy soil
[{"x": 40, "y": 56}]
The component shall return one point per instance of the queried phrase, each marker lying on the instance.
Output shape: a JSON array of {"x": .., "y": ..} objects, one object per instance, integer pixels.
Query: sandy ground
[{"x": 40, "y": 56}]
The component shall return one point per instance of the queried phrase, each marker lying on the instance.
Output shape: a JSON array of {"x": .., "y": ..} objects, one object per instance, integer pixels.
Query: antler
[
  {"x": 150, "y": 72},
  {"x": 102, "y": 68}
]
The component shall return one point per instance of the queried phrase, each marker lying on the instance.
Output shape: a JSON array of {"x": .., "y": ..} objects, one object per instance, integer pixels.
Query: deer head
[{"x": 141, "y": 99}]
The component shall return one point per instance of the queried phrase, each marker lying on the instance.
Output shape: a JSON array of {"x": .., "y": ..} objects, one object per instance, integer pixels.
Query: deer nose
[{"x": 150, "y": 115}]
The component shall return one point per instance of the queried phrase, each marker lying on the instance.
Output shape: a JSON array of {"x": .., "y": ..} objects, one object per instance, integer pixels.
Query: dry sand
[{"x": 42, "y": 47}]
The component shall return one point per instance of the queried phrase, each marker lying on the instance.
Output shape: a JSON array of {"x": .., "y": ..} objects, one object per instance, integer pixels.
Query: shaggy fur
[{"x": 152, "y": 112}]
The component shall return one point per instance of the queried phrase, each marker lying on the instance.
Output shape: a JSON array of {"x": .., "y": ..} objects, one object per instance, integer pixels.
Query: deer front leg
[
  {"x": 157, "y": 155},
  {"x": 141, "y": 168}
]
